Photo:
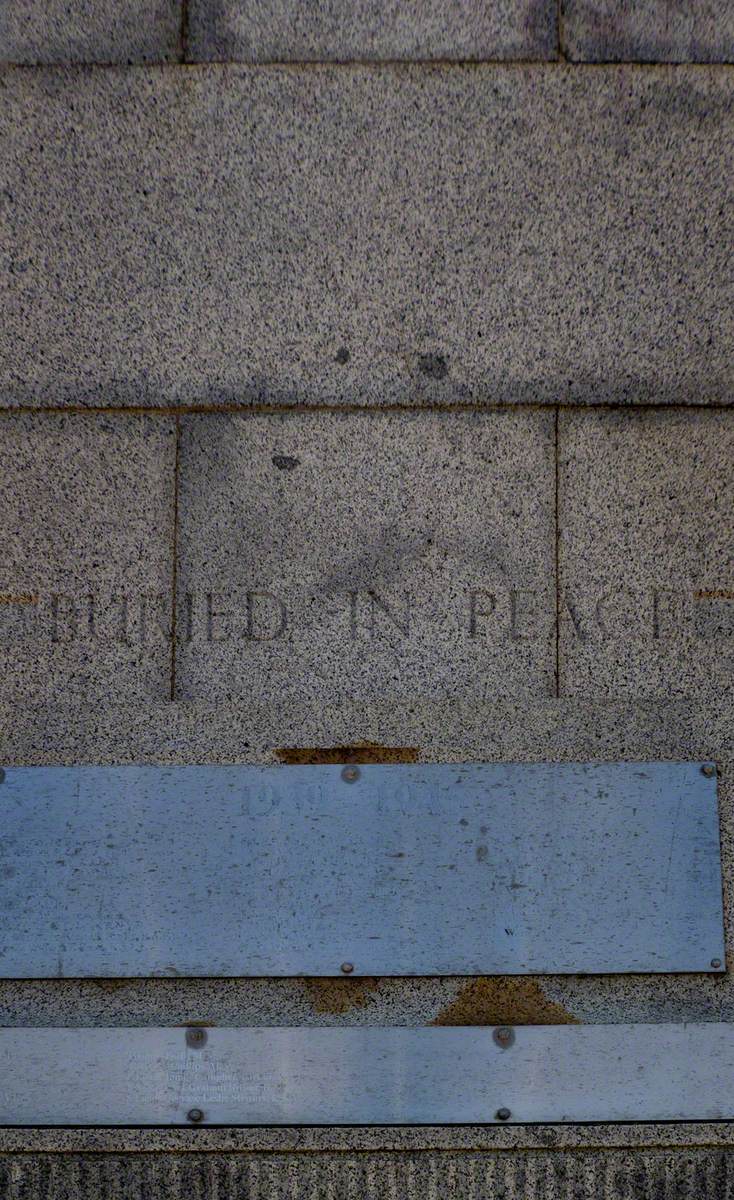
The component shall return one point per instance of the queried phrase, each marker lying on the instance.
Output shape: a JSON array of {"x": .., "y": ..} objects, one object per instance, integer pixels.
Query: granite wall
[{"x": 365, "y": 391}]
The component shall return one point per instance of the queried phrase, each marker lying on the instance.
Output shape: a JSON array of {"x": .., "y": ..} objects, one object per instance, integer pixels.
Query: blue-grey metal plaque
[
  {"x": 372, "y": 870},
  {"x": 366, "y": 1076}
]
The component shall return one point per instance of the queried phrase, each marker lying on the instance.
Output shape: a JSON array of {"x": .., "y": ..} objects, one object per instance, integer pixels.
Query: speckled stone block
[
  {"x": 289, "y": 30},
  {"x": 648, "y": 30},
  {"x": 366, "y": 235},
  {"x": 325, "y": 557},
  {"x": 90, "y": 31},
  {"x": 690, "y": 1174},
  {"x": 86, "y": 556},
  {"x": 645, "y": 553}
]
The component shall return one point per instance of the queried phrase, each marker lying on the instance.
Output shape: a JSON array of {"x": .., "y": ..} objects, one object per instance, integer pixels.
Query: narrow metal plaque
[
  {"x": 375, "y": 870},
  {"x": 396, "y": 1076}
]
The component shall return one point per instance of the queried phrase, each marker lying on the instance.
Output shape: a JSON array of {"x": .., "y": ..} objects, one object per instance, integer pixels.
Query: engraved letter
[
  {"x": 667, "y": 613},
  {"x": 63, "y": 609},
  {"x": 578, "y": 628},
  {"x": 378, "y": 603},
  {"x": 213, "y": 614},
  {"x": 488, "y": 601},
  {"x": 522, "y": 610},
  {"x": 263, "y": 630}
]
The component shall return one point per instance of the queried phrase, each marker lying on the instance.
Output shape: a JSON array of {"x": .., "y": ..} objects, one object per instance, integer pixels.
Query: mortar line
[
  {"x": 174, "y": 568},
  {"x": 479, "y": 406},
  {"x": 557, "y": 555},
  {"x": 646, "y": 65},
  {"x": 560, "y": 52},
  {"x": 184, "y": 30}
]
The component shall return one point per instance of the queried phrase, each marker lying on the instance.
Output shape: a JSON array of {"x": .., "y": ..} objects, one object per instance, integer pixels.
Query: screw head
[
  {"x": 503, "y": 1036},
  {"x": 708, "y": 770},
  {"x": 503, "y": 1114},
  {"x": 347, "y": 968},
  {"x": 350, "y": 774},
  {"x": 716, "y": 963},
  {"x": 195, "y": 1115},
  {"x": 195, "y": 1037}
]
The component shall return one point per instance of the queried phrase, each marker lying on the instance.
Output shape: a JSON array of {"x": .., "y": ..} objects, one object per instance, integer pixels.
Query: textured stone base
[{"x": 514, "y": 1175}]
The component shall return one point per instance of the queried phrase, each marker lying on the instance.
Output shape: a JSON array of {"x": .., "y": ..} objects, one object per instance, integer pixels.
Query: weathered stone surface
[
  {"x": 645, "y": 553},
  {"x": 283, "y": 30},
  {"x": 692, "y": 1174},
  {"x": 648, "y": 31},
  {"x": 86, "y": 556},
  {"x": 366, "y": 235},
  {"x": 521, "y": 730},
  {"x": 90, "y": 31},
  {"x": 325, "y": 557}
]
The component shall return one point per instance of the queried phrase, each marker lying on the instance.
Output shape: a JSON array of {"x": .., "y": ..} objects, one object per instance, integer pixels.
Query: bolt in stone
[
  {"x": 347, "y": 968},
  {"x": 503, "y": 1036},
  {"x": 195, "y": 1115},
  {"x": 350, "y": 774},
  {"x": 716, "y": 963},
  {"x": 195, "y": 1037},
  {"x": 708, "y": 770},
  {"x": 503, "y": 1114}
]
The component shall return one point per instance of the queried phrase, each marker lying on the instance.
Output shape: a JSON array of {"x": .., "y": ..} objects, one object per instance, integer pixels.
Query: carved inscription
[{"x": 478, "y": 615}]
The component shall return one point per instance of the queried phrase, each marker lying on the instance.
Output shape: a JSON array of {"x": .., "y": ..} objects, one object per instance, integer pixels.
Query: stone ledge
[
  {"x": 690, "y": 1174},
  {"x": 371, "y": 235},
  {"x": 369, "y": 1139}
]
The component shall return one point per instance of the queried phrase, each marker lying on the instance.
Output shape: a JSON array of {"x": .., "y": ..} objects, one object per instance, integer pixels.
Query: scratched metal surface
[
  {"x": 406, "y": 870},
  {"x": 281, "y": 1076}
]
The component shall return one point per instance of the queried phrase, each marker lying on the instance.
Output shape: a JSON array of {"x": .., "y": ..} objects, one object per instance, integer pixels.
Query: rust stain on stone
[
  {"x": 504, "y": 1000},
  {"x": 23, "y": 598},
  {"x": 715, "y": 594},
  {"x": 339, "y": 995},
  {"x": 360, "y": 752}
]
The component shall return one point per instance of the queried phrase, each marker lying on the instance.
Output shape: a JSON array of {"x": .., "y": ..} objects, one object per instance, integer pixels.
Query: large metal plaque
[
  {"x": 376, "y": 870},
  {"x": 366, "y": 1076}
]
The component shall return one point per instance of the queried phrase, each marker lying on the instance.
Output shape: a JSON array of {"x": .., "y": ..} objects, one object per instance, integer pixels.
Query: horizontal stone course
[
  {"x": 90, "y": 31},
  {"x": 366, "y": 236},
  {"x": 280, "y": 30},
  {"x": 690, "y": 1174},
  {"x": 649, "y": 31}
]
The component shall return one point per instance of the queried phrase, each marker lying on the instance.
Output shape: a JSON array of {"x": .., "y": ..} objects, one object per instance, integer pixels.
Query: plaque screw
[
  {"x": 195, "y": 1115},
  {"x": 503, "y": 1114},
  {"x": 708, "y": 770},
  {"x": 347, "y": 968},
  {"x": 350, "y": 774},
  {"x": 195, "y": 1037},
  {"x": 716, "y": 963},
  {"x": 504, "y": 1036}
]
